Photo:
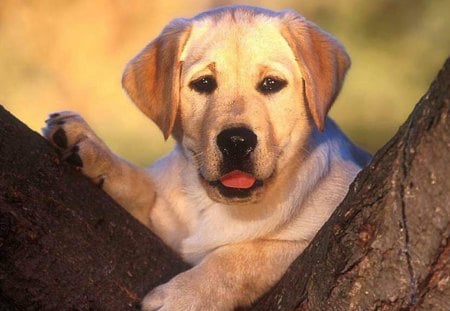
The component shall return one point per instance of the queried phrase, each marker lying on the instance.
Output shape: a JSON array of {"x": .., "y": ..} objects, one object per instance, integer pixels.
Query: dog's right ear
[{"x": 152, "y": 78}]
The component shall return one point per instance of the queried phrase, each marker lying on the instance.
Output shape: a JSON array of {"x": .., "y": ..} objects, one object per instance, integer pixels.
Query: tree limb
[
  {"x": 387, "y": 245},
  {"x": 64, "y": 244}
]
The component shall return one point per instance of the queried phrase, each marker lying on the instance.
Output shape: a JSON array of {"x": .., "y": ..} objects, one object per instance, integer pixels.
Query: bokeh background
[{"x": 69, "y": 55}]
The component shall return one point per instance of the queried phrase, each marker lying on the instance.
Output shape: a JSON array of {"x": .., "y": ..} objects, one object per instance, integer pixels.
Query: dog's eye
[
  {"x": 204, "y": 85},
  {"x": 271, "y": 85}
]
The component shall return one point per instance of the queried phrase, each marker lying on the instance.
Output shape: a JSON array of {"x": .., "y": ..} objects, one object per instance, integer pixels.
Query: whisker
[{"x": 196, "y": 156}]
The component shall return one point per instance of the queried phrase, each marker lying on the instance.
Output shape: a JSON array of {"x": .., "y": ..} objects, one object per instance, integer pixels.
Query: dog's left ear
[
  {"x": 152, "y": 78},
  {"x": 323, "y": 63}
]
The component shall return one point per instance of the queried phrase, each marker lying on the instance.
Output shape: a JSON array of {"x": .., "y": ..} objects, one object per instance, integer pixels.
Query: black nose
[{"x": 236, "y": 143}]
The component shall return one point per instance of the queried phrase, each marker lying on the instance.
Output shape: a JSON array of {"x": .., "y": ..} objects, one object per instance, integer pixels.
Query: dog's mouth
[{"x": 237, "y": 185}]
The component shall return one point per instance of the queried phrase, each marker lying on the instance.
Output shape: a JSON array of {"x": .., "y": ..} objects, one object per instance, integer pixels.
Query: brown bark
[
  {"x": 387, "y": 245},
  {"x": 65, "y": 245}
]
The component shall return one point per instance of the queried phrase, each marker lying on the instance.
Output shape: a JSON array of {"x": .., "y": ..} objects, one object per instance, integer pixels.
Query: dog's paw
[
  {"x": 169, "y": 296},
  {"x": 78, "y": 144},
  {"x": 182, "y": 293}
]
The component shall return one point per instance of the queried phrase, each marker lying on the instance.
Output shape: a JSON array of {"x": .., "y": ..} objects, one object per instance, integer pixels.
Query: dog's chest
[
  {"x": 187, "y": 220},
  {"x": 193, "y": 225}
]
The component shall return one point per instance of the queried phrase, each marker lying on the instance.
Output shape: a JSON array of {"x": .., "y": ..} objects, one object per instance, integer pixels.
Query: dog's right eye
[{"x": 204, "y": 85}]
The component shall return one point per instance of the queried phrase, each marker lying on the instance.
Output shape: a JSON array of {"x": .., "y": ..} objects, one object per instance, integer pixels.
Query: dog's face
[
  {"x": 239, "y": 105},
  {"x": 240, "y": 88}
]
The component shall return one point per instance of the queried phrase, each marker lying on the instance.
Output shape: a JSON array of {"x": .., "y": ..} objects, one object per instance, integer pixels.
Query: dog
[{"x": 258, "y": 167}]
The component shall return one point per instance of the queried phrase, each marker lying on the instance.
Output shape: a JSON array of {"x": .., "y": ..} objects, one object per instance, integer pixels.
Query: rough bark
[
  {"x": 387, "y": 245},
  {"x": 65, "y": 245}
]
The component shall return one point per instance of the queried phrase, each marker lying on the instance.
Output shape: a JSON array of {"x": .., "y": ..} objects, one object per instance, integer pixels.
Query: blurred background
[{"x": 69, "y": 55}]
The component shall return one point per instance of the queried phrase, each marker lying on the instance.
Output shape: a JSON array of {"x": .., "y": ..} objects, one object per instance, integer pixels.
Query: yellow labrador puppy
[{"x": 258, "y": 167}]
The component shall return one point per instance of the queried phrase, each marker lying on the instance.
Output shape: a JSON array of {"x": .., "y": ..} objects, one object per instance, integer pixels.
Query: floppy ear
[
  {"x": 152, "y": 78},
  {"x": 323, "y": 62}
]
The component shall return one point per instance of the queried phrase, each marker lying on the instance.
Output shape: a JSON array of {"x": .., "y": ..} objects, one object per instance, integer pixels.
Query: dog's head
[{"x": 240, "y": 88}]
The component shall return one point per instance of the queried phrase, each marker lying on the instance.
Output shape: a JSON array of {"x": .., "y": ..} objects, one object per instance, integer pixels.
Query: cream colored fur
[{"x": 239, "y": 248}]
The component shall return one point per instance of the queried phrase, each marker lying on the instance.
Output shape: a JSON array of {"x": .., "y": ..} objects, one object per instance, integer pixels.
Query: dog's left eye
[
  {"x": 204, "y": 85},
  {"x": 270, "y": 85}
]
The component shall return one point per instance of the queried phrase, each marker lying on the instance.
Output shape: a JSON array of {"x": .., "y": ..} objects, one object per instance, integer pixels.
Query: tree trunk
[
  {"x": 65, "y": 245},
  {"x": 387, "y": 245}
]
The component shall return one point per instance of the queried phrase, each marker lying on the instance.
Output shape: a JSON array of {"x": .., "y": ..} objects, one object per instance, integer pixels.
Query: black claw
[
  {"x": 54, "y": 115},
  {"x": 60, "y": 138},
  {"x": 137, "y": 306},
  {"x": 74, "y": 159},
  {"x": 101, "y": 182}
]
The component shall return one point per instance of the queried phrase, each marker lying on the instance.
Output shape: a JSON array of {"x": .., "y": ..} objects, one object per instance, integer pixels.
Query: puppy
[{"x": 258, "y": 166}]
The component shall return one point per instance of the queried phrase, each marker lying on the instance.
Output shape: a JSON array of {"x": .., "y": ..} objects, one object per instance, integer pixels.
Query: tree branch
[
  {"x": 387, "y": 245},
  {"x": 64, "y": 244}
]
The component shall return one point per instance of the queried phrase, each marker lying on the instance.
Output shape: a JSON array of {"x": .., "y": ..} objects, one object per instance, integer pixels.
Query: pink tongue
[{"x": 237, "y": 179}]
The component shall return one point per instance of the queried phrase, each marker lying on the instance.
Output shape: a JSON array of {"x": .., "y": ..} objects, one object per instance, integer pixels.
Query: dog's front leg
[
  {"x": 230, "y": 276},
  {"x": 126, "y": 183}
]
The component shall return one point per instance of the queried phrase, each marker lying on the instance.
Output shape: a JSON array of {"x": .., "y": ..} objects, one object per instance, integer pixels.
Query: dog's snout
[{"x": 237, "y": 142}]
